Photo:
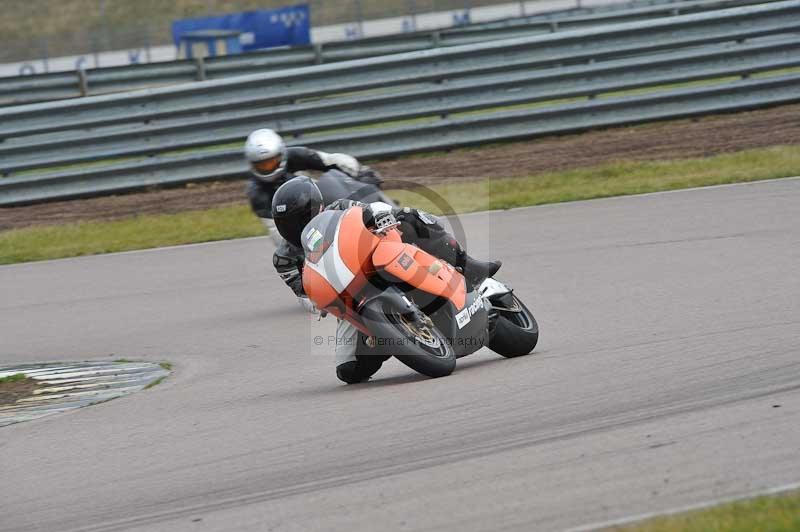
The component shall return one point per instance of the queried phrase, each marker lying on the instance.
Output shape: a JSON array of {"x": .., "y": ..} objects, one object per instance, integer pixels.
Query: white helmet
[{"x": 266, "y": 153}]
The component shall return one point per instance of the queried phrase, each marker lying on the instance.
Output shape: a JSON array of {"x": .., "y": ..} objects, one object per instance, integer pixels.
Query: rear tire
[
  {"x": 516, "y": 332},
  {"x": 420, "y": 344}
]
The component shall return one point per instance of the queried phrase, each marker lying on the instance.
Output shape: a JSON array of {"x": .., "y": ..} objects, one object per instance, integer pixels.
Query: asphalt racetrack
[{"x": 668, "y": 373}]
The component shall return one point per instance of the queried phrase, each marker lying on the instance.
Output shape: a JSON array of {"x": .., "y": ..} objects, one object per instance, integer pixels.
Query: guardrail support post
[
  {"x": 436, "y": 39},
  {"x": 201, "y": 68},
  {"x": 83, "y": 82},
  {"x": 318, "y": 53},
  {"x": 553, "y": 26}
]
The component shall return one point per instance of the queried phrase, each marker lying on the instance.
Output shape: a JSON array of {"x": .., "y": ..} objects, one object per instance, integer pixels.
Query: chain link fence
[{"x": 53, "y": 28}]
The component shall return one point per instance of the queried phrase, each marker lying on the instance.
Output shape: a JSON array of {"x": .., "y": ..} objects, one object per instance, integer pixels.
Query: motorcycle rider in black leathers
[
  {"x": 271, "y": 165},
  {"x": 297, "y": 201}
]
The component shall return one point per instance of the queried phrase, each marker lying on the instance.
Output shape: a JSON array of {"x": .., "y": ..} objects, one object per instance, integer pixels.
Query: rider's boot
[{"x": 476, "y": 271}]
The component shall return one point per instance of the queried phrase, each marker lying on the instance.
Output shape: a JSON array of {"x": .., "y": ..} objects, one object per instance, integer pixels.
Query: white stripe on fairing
[
  {"x": 682, "y": 509},
  {"x": 331, "y": 266}
]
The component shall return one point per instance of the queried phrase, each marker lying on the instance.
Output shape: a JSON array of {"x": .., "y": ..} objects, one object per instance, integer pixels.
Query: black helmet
[{"x": 294, "y": 204}]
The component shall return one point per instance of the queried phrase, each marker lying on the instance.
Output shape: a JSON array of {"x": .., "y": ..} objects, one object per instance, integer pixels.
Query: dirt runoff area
[{"x": 698, "y": 137}]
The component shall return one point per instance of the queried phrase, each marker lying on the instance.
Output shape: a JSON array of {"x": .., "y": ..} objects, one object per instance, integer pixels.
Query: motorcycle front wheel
[
  {"x": 516, "y": 332},
  {"x": 412, "y": 338}
]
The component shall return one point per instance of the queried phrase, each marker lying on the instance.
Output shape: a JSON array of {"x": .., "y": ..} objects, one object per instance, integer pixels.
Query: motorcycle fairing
[
  {"x": 336, "y": 270},
  {"x": 421, "y": 270},
  {"x": 465, "y": 328}
]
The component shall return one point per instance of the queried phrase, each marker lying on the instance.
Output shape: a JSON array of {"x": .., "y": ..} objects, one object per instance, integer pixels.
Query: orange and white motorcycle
[{"x": 408, "y": 303}]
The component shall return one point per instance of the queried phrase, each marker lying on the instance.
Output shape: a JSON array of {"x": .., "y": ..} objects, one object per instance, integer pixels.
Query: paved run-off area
[{"x": 668, "y": 373}]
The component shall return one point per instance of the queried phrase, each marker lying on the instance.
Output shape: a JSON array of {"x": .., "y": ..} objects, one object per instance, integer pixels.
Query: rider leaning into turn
[
  {"x": 294, "y": 205},
  {"x": 272, "y": 163}
]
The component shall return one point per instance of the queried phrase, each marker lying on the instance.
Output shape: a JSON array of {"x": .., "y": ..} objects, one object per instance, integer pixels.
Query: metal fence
[
  {"x": 388, "y": 106},
  {"x": 45, "y": 87}
]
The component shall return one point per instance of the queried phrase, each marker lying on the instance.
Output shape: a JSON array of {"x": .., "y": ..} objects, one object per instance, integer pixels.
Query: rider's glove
[
  {"x": 346, "y": 163},
  {"x": 416, "y": 216},
  {"x": 290, "y": 270},
  {"x": 383, "y": 221}
]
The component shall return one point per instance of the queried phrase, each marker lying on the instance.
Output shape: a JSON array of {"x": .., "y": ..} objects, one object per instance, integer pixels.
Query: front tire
[
  {"x": 516, "y": 332},
  {"x": 412, "y": 338}
]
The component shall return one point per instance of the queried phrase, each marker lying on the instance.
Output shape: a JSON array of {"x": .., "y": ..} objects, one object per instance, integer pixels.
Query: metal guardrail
[
  {"x": 732, "y": 96},
  {"x": 150, "y": 106},
  {"x": 46, "y": 87},
  {"x": 481, "y": 91},
  {"x": 482, "y": 79}
]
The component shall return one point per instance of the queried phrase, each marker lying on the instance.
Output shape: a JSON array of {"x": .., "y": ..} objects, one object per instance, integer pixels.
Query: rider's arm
[
  {"x": 300, "y": 159},
  {"x": 260, "y": 196},
  {"x": 288, "y": 263}
]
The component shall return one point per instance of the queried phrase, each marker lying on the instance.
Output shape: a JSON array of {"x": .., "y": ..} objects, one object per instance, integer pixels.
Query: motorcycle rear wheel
[
  {"x": 413, "y": 339},
  {"x": 516, "y": 332}
]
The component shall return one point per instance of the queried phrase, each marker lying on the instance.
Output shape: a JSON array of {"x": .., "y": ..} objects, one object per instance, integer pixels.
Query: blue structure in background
[{"x": 286, "y": 26}]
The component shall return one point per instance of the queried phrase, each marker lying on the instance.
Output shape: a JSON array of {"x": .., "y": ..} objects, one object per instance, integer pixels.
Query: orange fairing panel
[
  {"x": 342, "y": 264},
  {"x": 318, "y": 289},
  {"x": 356, "y": 242},
  {"x": 421, "y": 270}
]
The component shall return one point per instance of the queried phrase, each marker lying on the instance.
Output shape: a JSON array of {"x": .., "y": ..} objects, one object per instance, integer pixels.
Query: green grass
[
  {"x": 767, "y": 514},
  {"x": 612, "y": 179},
  {"x": 89, "y": 238},
  {"x": 166, "y": 365},
  {"x": 17, "y": 377},
  {"x": 155, "y": 383},
  {"x": 236, "y": 221}
]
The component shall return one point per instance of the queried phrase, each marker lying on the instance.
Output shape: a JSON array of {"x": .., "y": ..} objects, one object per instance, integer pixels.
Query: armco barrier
[{"x": 157, "y": 127}]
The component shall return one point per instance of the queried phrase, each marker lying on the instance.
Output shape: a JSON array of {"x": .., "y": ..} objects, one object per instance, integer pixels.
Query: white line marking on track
[{"x": 682, "y": 509}]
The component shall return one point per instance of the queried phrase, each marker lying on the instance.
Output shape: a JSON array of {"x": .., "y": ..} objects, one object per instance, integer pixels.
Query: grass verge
[
  {"x": 775, "y": 514},
  {"x": 155, "y": 383},
  {"x": 613, "y": 179},
  {"x": 236, "y": 221},
  {"x": 17, "y": 377},
  {"x": 141, "y": 232}
]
